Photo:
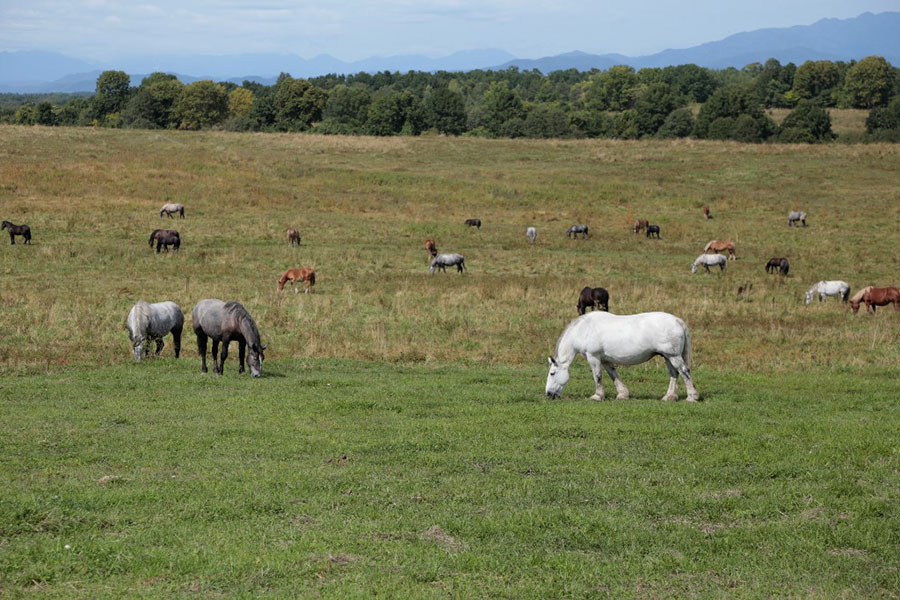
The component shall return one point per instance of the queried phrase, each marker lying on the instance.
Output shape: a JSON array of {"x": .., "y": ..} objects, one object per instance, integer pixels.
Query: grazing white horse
[
  {"x": 796, "y": 215},
  {"x": 172, "y": 208},
  {"x": 607, "y": 340},
  {"x": 828, "y": 288},
  {"x": 442, "y": 261},
  {"x": 531, "y": 234},
  {"x": 152, "y": 322},
  {"x": 709, "y": 260}
]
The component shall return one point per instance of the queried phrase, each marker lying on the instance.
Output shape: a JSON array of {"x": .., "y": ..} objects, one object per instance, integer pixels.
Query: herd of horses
[{"x": 605, "y": 339}]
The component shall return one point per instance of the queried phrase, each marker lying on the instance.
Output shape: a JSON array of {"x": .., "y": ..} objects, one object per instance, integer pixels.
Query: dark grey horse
[
  {"x": 574, "y": 230},
  {"x": 474, "y": 223},
  {"x": 651, "y": 230},
  {"x": 14, "y": 230},
  {"x": 227, "y": 321},
  {"x": 167, "y": 238}
]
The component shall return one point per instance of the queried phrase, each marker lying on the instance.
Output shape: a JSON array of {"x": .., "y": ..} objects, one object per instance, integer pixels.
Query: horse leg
[
  {"x": 706, "y": 266},
  {"x": 201, "y": 348},
  {"x": 596, "y": 367},
  {"x": 224, "y": 355},
  {"x": 176, "y": 337},
  {"x": 307, "y": 287},
  {"x": 672, "y": 393},
  {"x": 159, "y": 346},
  {"x": 12, "y": 238},
  {"x": 242, "y": 348},
  {"x": 681, "y": 367},
  {"x": 621, "y": 391},
  {"x": 215, "y": 356}
]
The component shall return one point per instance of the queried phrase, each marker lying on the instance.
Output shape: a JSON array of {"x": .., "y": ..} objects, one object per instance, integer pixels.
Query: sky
[{"x": 103, "y": 30}]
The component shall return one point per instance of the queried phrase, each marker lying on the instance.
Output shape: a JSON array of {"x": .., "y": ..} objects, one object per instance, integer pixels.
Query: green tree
[
  {"x": 387, "y": 114},
  {"x": 201, "y": 104},
  {"x": 724, "y": 108},
  {"x": 113, "y": 89},
  {"x": 348, "y": 105},
  {"x": 298, "y": 104},
  {"x": 590, "y": 123},
  {"x": 611, "y": 90},
  {"x": 43, "y": 114},
  {"x": 678, "y": 124},
  {"x": 153, "y": 104},
  {"x": 884, "y": 117},
  {"x": 499, "y": 105},
  {"x": 807, "y": 121},
  {"x": 817, "y": 81},
  {"x": 546, "y": 120},
  {"x": 869, "y": 83},
  {"x": 445, "y": 111},
  {"x": 240, "y": 103},
  {"x": 653, "y": 103}
]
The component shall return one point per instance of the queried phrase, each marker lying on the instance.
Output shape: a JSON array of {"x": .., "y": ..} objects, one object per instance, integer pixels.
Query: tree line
[{"x": 621, "y": 102}]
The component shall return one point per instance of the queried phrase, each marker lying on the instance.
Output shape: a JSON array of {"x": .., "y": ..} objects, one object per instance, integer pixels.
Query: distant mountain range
[{"x": 829, "y": 39}]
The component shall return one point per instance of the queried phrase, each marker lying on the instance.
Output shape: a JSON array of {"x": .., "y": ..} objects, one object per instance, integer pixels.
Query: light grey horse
[
  {"x": 709, "y": 260},
  {"x": 152, "y": 322},
  {"x": 172, "y": 208},
  {"x": 828, "y": 288},
  {"x": 442, "y": 261},
  {"x": 574, "y": 230},
  {"x": 227, "y": 321},
  {"x": 531, "y": 234},
  {"x": 796, "y": 215}
]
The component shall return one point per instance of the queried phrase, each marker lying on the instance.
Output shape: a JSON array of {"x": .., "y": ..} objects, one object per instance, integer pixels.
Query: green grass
[
  {"x": 399, "y": 443},
  {"x": 357, "y": 479}
]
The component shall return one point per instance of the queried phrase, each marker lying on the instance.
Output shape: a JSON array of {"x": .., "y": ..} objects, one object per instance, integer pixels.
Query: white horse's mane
[{"x": 142, "y": 313}]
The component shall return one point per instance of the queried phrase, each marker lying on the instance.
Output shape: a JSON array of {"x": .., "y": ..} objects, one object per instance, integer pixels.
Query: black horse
[
  {"x": 166, "y": 239},
  {"x": 474, "y": 223},
  {"x": 14, "y": 230},
  {"x": 776, "y": 265},
  {"x": 595, "y": 297},
  {"x": 651, "y": 229}
]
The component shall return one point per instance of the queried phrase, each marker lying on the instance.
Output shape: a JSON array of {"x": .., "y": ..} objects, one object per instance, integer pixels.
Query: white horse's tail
[{"x": 686, "y": 351}]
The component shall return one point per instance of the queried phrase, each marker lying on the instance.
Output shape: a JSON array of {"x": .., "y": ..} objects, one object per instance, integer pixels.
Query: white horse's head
[
  {"x": 137, "y": 345},
  {"x": 255, "y": 358},
  {"x": 809, "y": 294},
  {"x": 557, "y": 378}
]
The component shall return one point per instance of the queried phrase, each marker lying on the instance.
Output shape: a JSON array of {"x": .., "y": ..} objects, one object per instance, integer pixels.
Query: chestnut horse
[
  {"x": 706, "y": 212},
  {"x": 874, "y": 296},
  {"x": 716, "y": 246},
  {"x": 639, "y": 225},
  {"x": 295, "y": 275},
  {"x": 431, "y": 247},
  {"x": 293, "y": 237}
]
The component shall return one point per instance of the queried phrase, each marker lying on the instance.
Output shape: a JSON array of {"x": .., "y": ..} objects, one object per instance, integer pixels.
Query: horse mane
[
  {"x": 857, "y": 297},
  {"x": 709, "y": 245},
  {"x": 237, "y": 310},
  {"x": 563, "y": 334},
  {"x": 142, "y": 312}
]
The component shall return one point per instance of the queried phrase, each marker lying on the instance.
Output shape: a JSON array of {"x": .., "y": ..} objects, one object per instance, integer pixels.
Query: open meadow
[{"x": 399, "y": 443}]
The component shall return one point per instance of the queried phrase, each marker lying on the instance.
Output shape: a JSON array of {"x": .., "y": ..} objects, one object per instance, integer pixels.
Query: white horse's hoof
[
  {"x": 624, "y": 396},
  {"x": 693, "y": 398},
  {"x": 669, "y": 398},
  {"x": 598, "y": 398}
]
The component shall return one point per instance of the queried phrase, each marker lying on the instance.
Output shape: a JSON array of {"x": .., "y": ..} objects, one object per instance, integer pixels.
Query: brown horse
[
  {"x": 295, "y": 275},
  {"x": 598, "y": 298},
  {"x": 14, "y": 230},
  {"x": 874, "y": 296},
  {"x": 776, "y": 265},
  {"x": 293, "y": 237},
  {"x": 716, "y": 246},
  {"x": 639, "y": 225},
  {"x": 706, "y": 212},
  {"x": 431, "y": 247},
  {"x": 159, "y": 233},
  {"x": 474, "y": 223}
]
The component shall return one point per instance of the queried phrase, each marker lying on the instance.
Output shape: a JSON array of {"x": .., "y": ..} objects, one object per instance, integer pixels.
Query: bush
[
  {"x": 678, "y": 124},
  {"x": 809, "y": 118},
  {"x": 721, "y": 128},
  {"x": 881, "y": 118}
]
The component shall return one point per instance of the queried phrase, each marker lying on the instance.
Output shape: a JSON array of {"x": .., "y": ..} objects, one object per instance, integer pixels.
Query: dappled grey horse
[
  {"x": 152, "y": 322},
  {"x": 224, "y": 322},
  {"x": 531, "y": 234},
  {"x": 574, "y": 230},
  {"x": 796, "y": 215},
  {"x": 442, "y": 261},
  {"x": 709, "y": 260}
]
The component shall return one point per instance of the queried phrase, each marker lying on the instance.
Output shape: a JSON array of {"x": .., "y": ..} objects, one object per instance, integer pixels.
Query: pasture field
[{"x": 460, "y": 478}]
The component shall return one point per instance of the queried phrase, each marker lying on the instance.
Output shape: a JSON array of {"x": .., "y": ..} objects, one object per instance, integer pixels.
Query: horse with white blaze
[{"x": 607, "y": 340}]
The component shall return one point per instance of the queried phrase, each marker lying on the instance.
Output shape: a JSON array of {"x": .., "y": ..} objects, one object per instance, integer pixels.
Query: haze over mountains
[{"x": 828, "y": 39}]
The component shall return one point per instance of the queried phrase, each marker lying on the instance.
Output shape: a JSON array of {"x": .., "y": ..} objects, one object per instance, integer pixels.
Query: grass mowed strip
[{"x": 354, "y": 479}]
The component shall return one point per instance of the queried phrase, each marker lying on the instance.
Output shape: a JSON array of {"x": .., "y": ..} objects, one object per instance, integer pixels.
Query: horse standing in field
[
  {"x": 721, "y": 246},
  {"x": 152, "y": 322},
  {"x": 167, "y": 238},
  {"x": 709, "y": 260},
  {"x": 574, "y": 230},
  {"x": 607, "y": 340},
  {"x": 828, "y": 288},
  {"x": 305, "y": 274},
  {"x": 597, "y": 298},
  {"x": 172, "y": 208},
  {"x": 293, "y": 237},
  {"x": 531, "y": 234},
  {"x": 796, "y": 215},
  {"x": 874, "y": 296},
  {"x": 778, "y": 265},
  {"x": 474, "y": 223},
  {"x": 653, "y": 229},
  {"x": 442, "y": 261},
  {"x": 706, "y": 213},
  {"x": 639, "y": 225},
  {"x": 431, "y": 247},
  {"x": 14, "y": 230},
  {"x": 226, "y": 322},
  {"x": 158, "y": 233}
]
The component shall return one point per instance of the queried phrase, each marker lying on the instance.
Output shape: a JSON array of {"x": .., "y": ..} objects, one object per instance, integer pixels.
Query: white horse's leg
[
  {"x": 678, "y": 363},
  {"x": 596, "y": 369},
  {"x": 621, "y": 391},
  {"x": 672, "y": 392}
]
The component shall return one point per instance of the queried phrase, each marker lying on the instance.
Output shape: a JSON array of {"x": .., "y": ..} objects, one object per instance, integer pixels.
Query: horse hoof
[
  {"x": 623, "y": 397},
  {"x": 669, "y": 398},
  {"x": 693, "y": 398},
  {"x": 597, "y": 398}
]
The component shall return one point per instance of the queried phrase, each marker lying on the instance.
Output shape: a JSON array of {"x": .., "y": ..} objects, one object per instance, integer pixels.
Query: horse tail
[
  {"x": 312, "y": 278},
  {"x": 686, "y": 351}
]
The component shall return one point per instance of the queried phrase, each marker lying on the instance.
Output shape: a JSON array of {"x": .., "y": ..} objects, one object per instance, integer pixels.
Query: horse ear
[{"x": 552, "y": 361}]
